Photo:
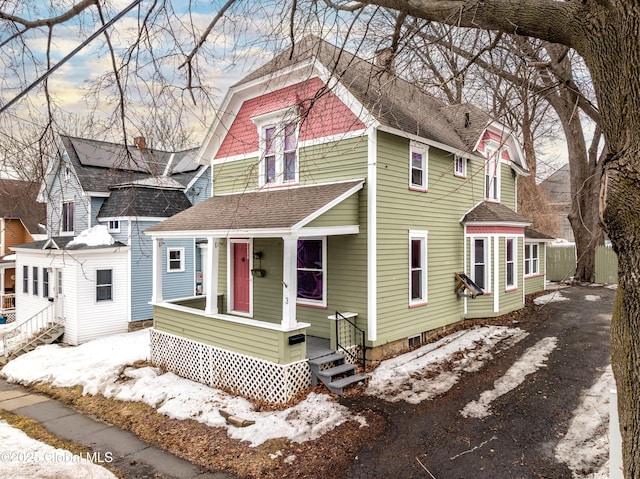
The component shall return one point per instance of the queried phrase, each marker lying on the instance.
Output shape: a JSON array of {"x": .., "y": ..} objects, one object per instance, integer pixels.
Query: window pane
[
  {"x": 290, "y": 166},
  {"x": 310, "y": 285},
  {"x": 104, "y": 284},
  {"x": 479, "y": 275},
  {"x": 527, "y": 266},
  {"x": 416, "y": 177},
  {"x": 310, "y": 254},
  {"x": 416, "y": 256},
  {"x": 416, "y": 284},
  {"x": 479, "y": 251},
  {"x": 290, "y": 137},
  {"x": 509, "y": 249},
  {"x": 270, "y": 169},
  {"x": 104, "y": 276},
  {"x": 510, "y": 274},
  {"x": 269, "y": 137}
]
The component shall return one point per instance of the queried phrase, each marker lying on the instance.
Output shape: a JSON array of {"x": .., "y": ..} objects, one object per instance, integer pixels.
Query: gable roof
[
  {"x": 144, "y": 202},
  {"x": 18, "y": 200},
  {"x": 257, "y": 210},
  {"x": 393, "y": 102},
  {"x": 99, "y": 165},
  {"x": 530, "y": 233},
  {"x": 558, "y": 186},
  {"x": 488, "y": 212}
]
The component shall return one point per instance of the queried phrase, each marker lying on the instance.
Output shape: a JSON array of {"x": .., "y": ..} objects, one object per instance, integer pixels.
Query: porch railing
[
  {"x": 17, "y": 335},
  {"x": 7, "y": 302},
  {"x": 350, "y": 338}
]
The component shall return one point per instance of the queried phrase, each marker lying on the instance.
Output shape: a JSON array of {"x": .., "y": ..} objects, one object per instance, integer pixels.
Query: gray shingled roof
[
  {"x": 393, "y": 101},
  {"x": 488, "y": 212},
  {"x": 99, "y": 165},
  {"x": 266, "y": 209},
  {"x": 144, "y": 202},
  {"x": 534, "y": 234},
  {"x": 558, "y": 186},
  {"x": 18, "y": 201}
]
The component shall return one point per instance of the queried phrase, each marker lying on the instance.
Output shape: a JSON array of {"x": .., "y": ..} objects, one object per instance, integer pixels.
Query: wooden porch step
[
  {"x": 330, "y": 373},
  {"x": 328, "y": 359},
  {"x": 335, "y": 372},
  {"x": 338, "y": 385}
]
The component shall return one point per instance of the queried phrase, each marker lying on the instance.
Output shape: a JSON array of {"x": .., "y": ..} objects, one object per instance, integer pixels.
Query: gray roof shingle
[
  {"x": 18, "y": 200},
  {"x": 488, "y": 212},
  {"x": 266, "y": 209},
  {"x": 144, "y": 202}
]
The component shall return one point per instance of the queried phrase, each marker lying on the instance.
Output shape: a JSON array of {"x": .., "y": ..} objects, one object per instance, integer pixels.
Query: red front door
[{"x": 241, "y": 277}]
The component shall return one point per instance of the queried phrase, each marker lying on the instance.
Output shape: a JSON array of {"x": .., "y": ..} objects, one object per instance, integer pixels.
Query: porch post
[
  {"x": 289, "y": 283},
  {"x": 211, "y": 276},
  {"x": 156, "y": 288}
]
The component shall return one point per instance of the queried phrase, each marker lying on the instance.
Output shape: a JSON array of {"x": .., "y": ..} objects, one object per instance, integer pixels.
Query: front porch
[{"x": 7, "y": 289}]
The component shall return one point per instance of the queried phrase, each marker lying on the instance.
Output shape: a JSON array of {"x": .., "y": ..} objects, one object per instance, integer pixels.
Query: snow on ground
[
  {"x": 533, "y": 359},
  {"x": 410, "y": 377},
  {"x": 592, "y": 297},
  {"x": 99, "y": 366},
  {"x": 550, "y": 298},
  {"x": 22, "y": 457},
  {"x": 585, "y": 447}
]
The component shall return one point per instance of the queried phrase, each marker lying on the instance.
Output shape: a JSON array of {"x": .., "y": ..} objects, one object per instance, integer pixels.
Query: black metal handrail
[{"x": 349, "y": 335}]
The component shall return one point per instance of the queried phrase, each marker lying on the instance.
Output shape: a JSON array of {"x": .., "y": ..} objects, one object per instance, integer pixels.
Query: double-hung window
[
  {"x": 460, "y": 166},
  {"x": 531, "y": 259},
  {"x": 480, "y": 262},
  {"x": 278, "y": 133},
  {"x": 418, "y": 167},
  {"x": 492, "y": 176},
  {"x": 104, "y": 285},
  {"x": 35, "y": 281},
  {"x": 510, "y": 267},
  {"x": 45, "y": 283},
  {"x": 68, "y": 216},
  {"x": 311, "y": 271},
  {"x": 175, "y": 259},
  {"x": 113, "y": 226},
  {"x": 417, "y": 268},
  {"x": 25, "y": 279}
]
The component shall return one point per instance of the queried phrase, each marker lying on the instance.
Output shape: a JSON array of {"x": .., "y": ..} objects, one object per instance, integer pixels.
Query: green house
[{"x": 349, "y": 208}]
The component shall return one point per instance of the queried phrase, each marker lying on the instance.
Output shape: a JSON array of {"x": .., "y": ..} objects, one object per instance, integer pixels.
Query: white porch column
[
  {"x": 289, "y": 283},
  {"x": 211, "y": 275},
  {"x": 156, "y": 288}
]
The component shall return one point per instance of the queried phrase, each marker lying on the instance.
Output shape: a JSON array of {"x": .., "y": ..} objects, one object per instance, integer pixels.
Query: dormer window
[
  {"x": 278, "y": 148},
  {"x": 492, "y": 176}
]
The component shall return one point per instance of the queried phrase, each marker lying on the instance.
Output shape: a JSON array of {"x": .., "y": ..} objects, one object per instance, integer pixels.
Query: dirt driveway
[{"x": 518, "y": 439}]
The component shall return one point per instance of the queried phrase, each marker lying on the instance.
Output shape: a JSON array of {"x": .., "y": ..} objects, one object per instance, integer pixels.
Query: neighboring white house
[{"x": 85, "y": 282}]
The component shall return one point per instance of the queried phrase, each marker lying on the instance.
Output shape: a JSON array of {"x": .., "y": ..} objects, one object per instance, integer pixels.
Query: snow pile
[
  {"x": 418, "y": 375},
  {"x": 592, "y": 297},
  {"x": 533, "y": 359},
  {"x": 25, "y": 458},
  {"x": 585, "y": 447},
  {"x": 9, "y": 257},
  {"x": 550, "y": 298},
  {"x": 94, "y": 236},
  {"x": 100, "y": 367}
]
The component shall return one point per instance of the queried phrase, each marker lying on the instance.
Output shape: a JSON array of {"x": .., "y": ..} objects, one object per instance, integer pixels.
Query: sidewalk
[{"x": 135, "y": 458}]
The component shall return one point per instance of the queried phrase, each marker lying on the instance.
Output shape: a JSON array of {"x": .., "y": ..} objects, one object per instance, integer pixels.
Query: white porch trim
[
  {"x": 211, "y": 269},
  {"x": 156, "y": 283},
  {"x": 289, "y": 282}
]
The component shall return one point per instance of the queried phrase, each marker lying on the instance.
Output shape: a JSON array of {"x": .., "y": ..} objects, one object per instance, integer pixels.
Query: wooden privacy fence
[{"x": 561, "y": 263}]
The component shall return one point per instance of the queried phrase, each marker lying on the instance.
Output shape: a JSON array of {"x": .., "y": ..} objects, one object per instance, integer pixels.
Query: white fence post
[{"x": 615, "y": 439}]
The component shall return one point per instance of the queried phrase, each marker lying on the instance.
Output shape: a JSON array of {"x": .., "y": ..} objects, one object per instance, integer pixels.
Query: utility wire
[{"x": 96, "y": 34}]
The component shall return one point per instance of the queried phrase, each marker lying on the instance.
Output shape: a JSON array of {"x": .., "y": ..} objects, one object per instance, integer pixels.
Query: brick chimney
[{"x": 140, "y": 143}]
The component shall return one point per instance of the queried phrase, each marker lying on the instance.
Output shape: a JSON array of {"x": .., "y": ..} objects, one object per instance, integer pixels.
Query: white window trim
[
  {"x": 511, "y": 287},
  {"x": 277, "y": 119},
  {"x": 111, "y": 285},
  {"x": 493, "y": 155},
  {"x": 487, "y": 259},
  {"x": 463, "y": 173},
  {"x": 310, "y": 302},
  {"x": 25, "y": 279},
  {"x": 422, "y": 236},
  {"x": 35, "y": 281},
  {"x": 182, "y": 259},
  {"x": 424, "y": 150},
  {"x": 113, "y": 230},
  {"x": 531, "y": 258}
]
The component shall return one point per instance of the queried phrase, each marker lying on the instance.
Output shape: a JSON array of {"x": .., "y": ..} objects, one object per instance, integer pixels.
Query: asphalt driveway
[{"x": 433, "y": 440}]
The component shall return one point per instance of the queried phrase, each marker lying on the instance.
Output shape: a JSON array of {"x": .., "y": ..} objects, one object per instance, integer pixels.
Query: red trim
[
  {"x": 511, "y": 290},
  {"x": 464, "y": 177},
  {"x": 278, "y": 185},
  {"x": 315, "y": 306},
  {"x": 506, "y": 230},
  {"x": 417, "y": 305},
  {"x": 421, "y": 190},
  {"x": 537, "y": 275}
]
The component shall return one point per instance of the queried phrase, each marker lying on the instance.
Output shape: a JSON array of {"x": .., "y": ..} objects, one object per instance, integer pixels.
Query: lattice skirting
[{"x": 219, "y": 368}]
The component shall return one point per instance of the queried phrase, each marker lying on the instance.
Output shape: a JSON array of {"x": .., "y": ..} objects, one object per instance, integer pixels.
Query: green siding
[
  {"x": 508, "y": 187},
  {"x": 335, "y": 161},
  {"x": 345, "y": 213},
  {"x": 510, "y": 300},
  {"x": 437, "y": 211},
  {"x": 252, "y": 340},
  {"x": 533, "y": 284},
  {"x": 267, "y": 291},
  {"x": 235, "y": 176}
]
